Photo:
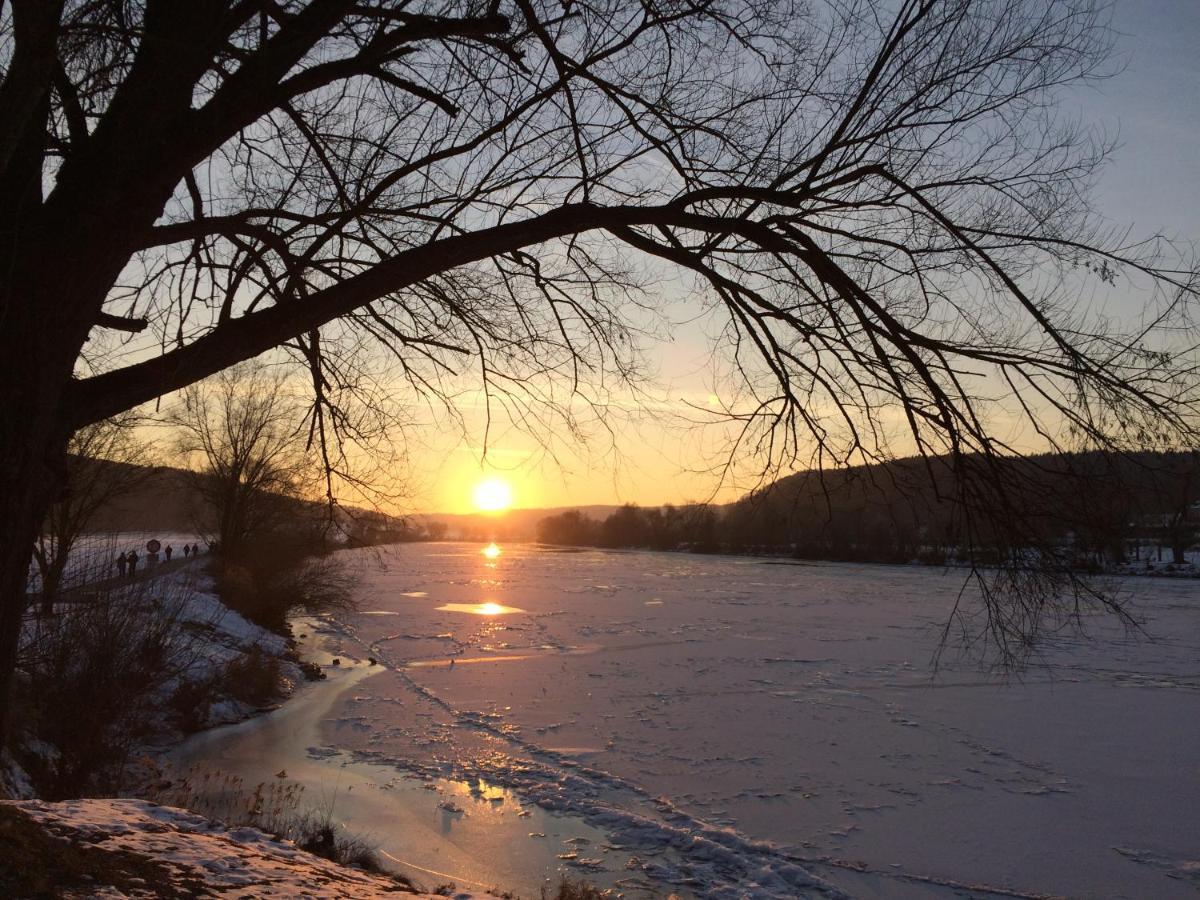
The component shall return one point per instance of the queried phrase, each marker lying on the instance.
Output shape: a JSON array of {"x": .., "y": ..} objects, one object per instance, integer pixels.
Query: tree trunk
[
  {"x": 28, "y": 482},
  {"x": 37, "y": 351}
]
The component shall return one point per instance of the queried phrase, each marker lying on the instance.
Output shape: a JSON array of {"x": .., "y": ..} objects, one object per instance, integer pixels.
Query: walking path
[
  {"x": 144, "y": 573},
  {"x": 81, "y": 593}
]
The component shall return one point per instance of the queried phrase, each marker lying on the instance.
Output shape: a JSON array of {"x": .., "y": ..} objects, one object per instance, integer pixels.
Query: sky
[
  {"x": 1152, "y": 183},
  {"x": 647, "y": 451}
]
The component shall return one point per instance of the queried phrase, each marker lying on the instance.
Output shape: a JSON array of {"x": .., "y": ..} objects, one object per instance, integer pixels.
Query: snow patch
[{"x": 238, "y": 862}]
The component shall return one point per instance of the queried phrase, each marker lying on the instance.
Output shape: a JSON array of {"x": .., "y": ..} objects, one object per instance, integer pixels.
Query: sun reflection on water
[
  {"x": 490, "y": 608},
  {"x": 491, "y": 551}
]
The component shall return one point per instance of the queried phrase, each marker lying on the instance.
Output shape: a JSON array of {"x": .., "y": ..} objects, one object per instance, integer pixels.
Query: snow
[
  {"x": 208, "y": 637},
  {"x": 240, "y": 862},
  {"x": 14, "y": 782},
  {"x": 731, "y": 727},
  {"x": 223, "y": 636}
]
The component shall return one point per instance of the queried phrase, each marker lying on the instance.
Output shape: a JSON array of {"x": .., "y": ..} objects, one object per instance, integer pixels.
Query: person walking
[
  {"x": 121, "y": 562},
  {"x": 186, "y": 550},
  {"x": 167, "y": 552},
  {"x": 133, "y": 561}
]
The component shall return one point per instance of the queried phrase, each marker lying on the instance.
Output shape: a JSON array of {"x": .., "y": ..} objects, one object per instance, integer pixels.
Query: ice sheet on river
[{"x": 739, "y": 726}]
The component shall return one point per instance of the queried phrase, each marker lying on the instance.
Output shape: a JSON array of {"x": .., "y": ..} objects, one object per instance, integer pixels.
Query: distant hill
[
  {"x": 1096, "y": 507},
  {"x": 1098, "y": 503},
  {"x": 164, "y": 499},
  {"x": 161, "y": 498}
]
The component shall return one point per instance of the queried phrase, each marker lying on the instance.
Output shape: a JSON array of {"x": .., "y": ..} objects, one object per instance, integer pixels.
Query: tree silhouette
[
  {"x": 240, "y": 431},
  {"x": 878, "y": 195}
]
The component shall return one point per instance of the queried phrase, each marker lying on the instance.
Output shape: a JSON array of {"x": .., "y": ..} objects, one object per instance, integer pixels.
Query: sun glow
[
  {"x": 493, "y": 495},
  {"x": 491, "y": 551}
]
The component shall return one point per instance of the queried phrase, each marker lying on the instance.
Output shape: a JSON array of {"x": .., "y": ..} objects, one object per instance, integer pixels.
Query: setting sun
[{"x": 493, "y": 495}]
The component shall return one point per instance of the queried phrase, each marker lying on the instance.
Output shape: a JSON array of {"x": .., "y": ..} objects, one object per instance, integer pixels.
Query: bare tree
[
  {"x": 242, "y": 433},
  {"x": 877, "y": 194},
  {"x": 105, "y": 460}
]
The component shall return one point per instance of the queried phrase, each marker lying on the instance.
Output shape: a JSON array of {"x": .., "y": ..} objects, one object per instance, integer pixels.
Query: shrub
[
  {"x": 189, "y": 703},
  {"x": 312, "y": 671},
  {"x": 282, "y": 574},
  {"x": 319, "y": 834},
  {"x": 96, "y": 676},
  {"x": 253, "y": 678}
]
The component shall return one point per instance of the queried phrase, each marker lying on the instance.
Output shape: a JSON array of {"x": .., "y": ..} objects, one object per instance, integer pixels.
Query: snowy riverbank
[
  {"x": 131, "y": 848},
  {"x": 210, "y": 667},
  {"x": 135, "y": 848}
]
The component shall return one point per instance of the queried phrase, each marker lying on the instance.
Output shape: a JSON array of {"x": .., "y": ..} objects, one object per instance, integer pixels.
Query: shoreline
[
  {"x": 785, "y": 558},
  {"x": 432, "y": 829}
]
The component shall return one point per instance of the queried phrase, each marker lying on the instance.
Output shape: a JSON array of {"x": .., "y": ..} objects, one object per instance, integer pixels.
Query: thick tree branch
[{"x": 121, "y": 323}]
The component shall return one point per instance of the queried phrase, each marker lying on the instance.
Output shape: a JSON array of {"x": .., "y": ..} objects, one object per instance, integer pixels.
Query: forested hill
[
  {"x": 166, "y": 499},
  {"x": 151, "y": 498},
  {"x": 1097, "y": 505}
]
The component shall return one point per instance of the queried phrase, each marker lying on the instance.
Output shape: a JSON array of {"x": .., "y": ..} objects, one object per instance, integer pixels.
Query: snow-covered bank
[
  {"x": 131, "y": 848},
  {"x": 144, "y": 663},
  {"x": 430, "y": 829}
]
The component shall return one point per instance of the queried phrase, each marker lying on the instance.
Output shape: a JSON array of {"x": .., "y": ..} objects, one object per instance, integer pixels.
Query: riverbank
[
  {"x": 131, "y": 848},
  {"x": 433, "y": 830},
  {"x": 274, "y": 740},
  {"x": 1144, "y": 567},
  {"x": 138, "y": 666},
  {"x": 153, "y": 849}
]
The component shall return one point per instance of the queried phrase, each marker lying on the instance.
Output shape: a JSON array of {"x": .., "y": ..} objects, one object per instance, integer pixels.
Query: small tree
[
  {"x": 242, "y": 433},
  {"x": 103, "y": 463}
]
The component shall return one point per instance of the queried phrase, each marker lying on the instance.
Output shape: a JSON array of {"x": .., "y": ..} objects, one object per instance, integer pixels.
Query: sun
[{"x": 493, "y": 495}]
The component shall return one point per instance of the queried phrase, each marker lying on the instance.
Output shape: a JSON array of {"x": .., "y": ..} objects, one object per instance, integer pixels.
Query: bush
[
  {"x": 189, "y": 703},
  {"x": 281, "y": 575},
  {"x": 95, "y": 681},
  {"x": 320, "y": 835},
  {"x": 253, "y": 678}
]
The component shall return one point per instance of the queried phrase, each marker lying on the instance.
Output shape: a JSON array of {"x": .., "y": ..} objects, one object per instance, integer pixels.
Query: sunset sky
[
  {"x": 652, "y": 456},
  {"x": 649, "y": 449}
]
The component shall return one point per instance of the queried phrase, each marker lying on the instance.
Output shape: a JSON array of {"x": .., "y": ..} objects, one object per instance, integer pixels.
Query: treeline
[
  {"x": 692, "y": 527},
  {"x": 370, "y": 529},
  {"x": 1095, "y": 509}
]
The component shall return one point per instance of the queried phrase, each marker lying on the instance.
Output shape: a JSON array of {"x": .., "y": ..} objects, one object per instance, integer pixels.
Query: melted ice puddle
[{"x": 480, "y": 609}]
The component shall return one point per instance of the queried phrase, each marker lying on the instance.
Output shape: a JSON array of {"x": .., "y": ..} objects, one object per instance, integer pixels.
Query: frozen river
[{"x": 733, "y": 727}]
